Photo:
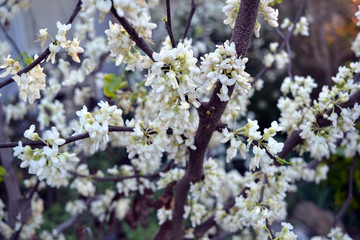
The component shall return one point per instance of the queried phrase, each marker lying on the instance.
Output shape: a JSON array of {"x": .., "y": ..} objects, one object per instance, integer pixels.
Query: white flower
[
  {"x": 225, "y": 66},
  {"x": 73, "y": 49},
  {"x": 286, "y": 233},
  {"x": 163, "y": 215},
  {"x": 54, "y": 48},
  {"x": 62, "y": 29},
  {"x": 43, "y": 35},
  {"x": 260, "y": 159},
  {"x": 75, "y": 207},
  {"x": 274, "y": 147},
  {"x": 29, "y": 134}
]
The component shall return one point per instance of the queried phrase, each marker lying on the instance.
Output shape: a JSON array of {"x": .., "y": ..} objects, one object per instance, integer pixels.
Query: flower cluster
[
  {"x": 263, "y": 198},
  {"x": 226, "y": 66},
  {"x": 263, "y": 144},
  {"x": 291, "y": 108},
  {"x": 281, "y": 58},
  {"x": 83, "y": 185},
  {"x": 72, "y": 77},
  {"x": 97, "y": 125},
  {"x": 237, "y": 107},
  {"x": 105, "y": 204},
  {"x": 132, "y": 183},
  {"x": 4, "y": 49},
  {"x": 334, "y": 234},
  {"x": 300, "y": 170},
  {"x": 210, "y": 185},
  {"x": 164, "y": 214},
  {"x": 196, "y": 211},
  {"x": 146, "y": 146},
  {"x": 16, "y": 111},
  {"x": 174, "y": 78},
  {"x": 99, "y": 208},
  {"x": 5, "y": 229},
  {"x": 9, "y": 9},
  {"x": 270, "y": 14},
  {"x": 170, "y": 176},
  {"x": 123, "y": 48},
  {"x": 54, "y": 235},
  {"x": 47, "y": 163},
  {"x": 134, "y": 11},
  {"x": 231, "y": 10},
  {"x": 301, "y": 27},
  {"x": 52, "y": 112},
  {"x": 120, "y": 44},
  {"x": 29, "y": 228},
  {"x": 355, "y": 47},
  {"x": 297, "y": 113},
  {"x": 76, "y": 207},
  {"x": 286, "y": 233},
  {"x": 29, "y": 83},
  {"x": 71, "y": 47}
]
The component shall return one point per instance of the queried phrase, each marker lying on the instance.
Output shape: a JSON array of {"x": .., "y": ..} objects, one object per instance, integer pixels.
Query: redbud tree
[{"x": 167, "y": 120}]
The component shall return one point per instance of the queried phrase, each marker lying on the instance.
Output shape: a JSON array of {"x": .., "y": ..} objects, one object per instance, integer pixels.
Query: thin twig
[
  {"x": 168, "y": 24},
  {"x": 71, "y": 139},
  {"x": 17, "y": 50},
  {"x": 44, "y": 54},
  {"x": 262, "y": 191},
  {"x": 288, "y": 50},
  {"x": 140, "y": 43},
  {"x": 168, "y": 166},
  {"x": 70, "y": 222},
  {"x": 11, "y": 181},
  {"x": 112, "y": 179},
  {"x": 350, "y": 191},
  {"x": 254, "y": 142},
  {"x": 192, "y": 11},
  {"x": 283, "y": 44},
  {"x": 297, "y": 19},
  {"x": 223, "y": 235},
  {"x": 295, "y": 138},
  {"x": 205, "y": 226},
  {"x": 67, "y": 140},
  {"x": 268, "y": 227},
  {"x": 34, "y": 189},
  {"x": 102, "y": 60}
]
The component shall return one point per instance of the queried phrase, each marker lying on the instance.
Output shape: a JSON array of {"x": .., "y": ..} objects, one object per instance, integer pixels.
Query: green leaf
[
  {"x": 164, "y": 19},
  {"x": 276, "y": 2},
  {"x": 113, "y": 83},
  {"x": 27, "y": 58},
  {"x": 283, "y": 161},
  {"x": 2, "y": 173}
]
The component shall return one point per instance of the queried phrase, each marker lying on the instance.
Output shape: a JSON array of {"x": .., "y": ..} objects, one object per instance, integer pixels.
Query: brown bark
[{"x": 210, "y": 114}]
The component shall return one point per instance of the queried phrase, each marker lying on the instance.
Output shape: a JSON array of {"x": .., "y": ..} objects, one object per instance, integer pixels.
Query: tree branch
[
  {"x": 210, "y": 114},
  {"x": 67, "y": 140},
  {"x": 71, "y": 139},
  {"x": 168, "y": 24},
  {"x": 72, "y": 220},
  {"x": 192, "y": 11},
  {"x": 269, "y": 229},
  {"x": 295, "y": 138},
  {"x": 44, "y": 54},
  {"x": 10, "y": 180},
  {"x": 17, "y": 50},
  {"x": 283, "y": 44},
  {"x": 350, "y": 191},
  {"x": 140, "y": 43},
  {"x": 288, "y": 50}
]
